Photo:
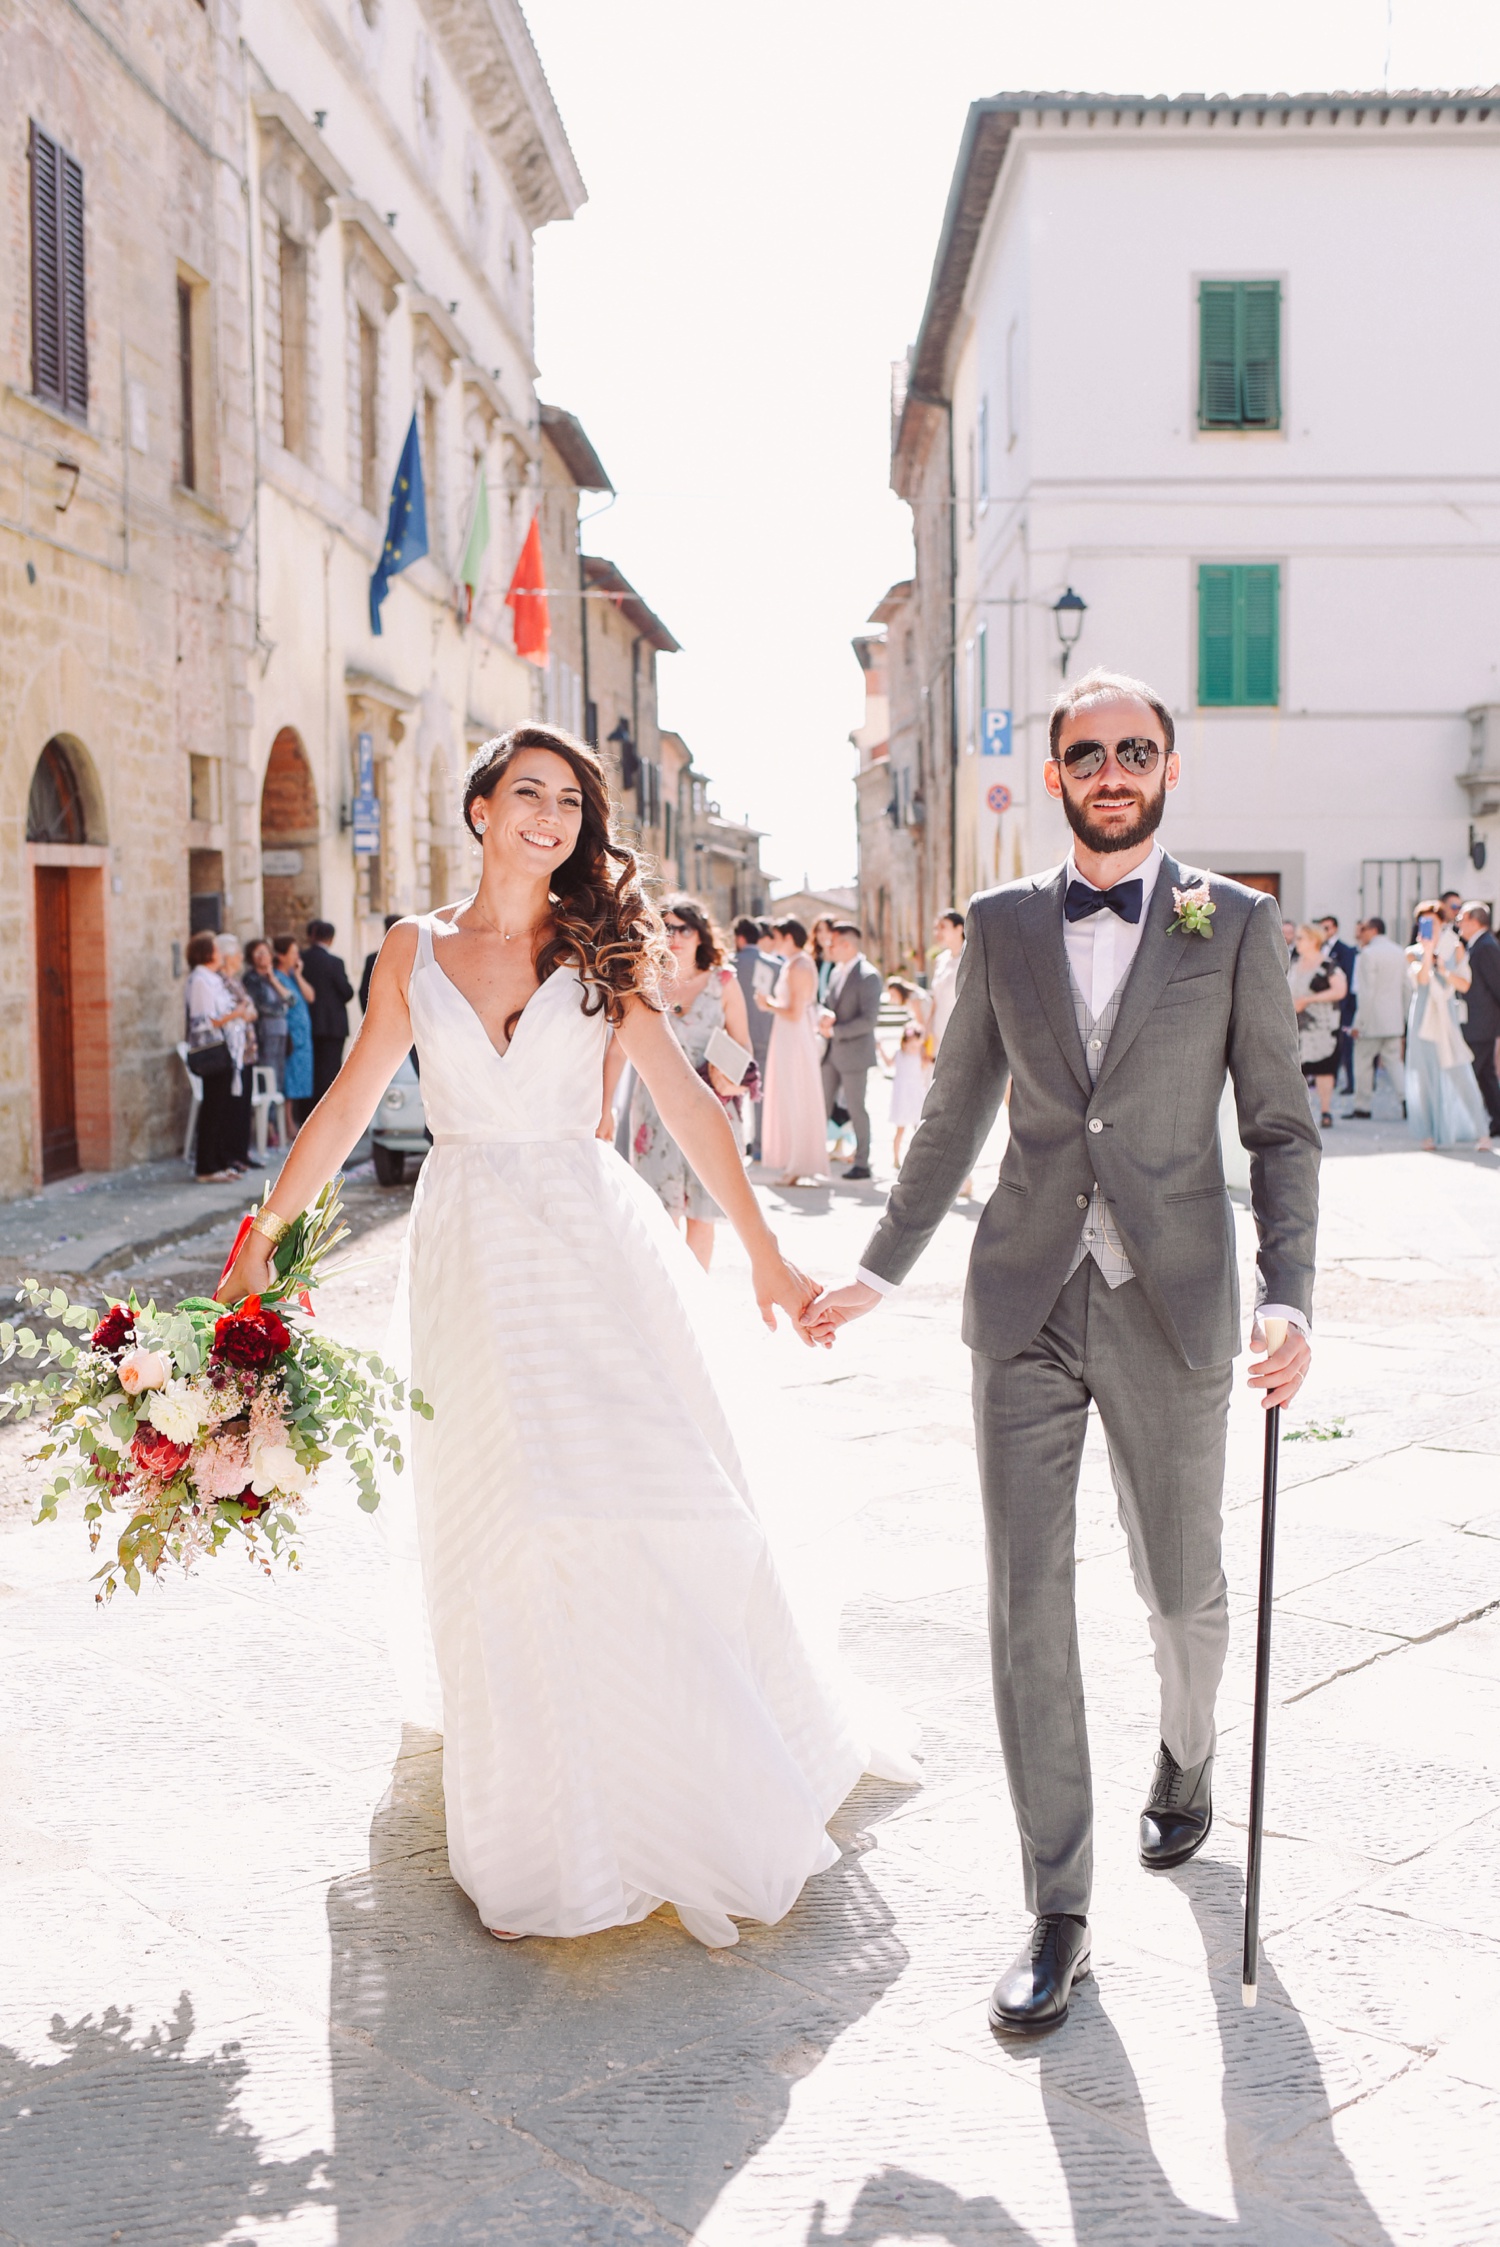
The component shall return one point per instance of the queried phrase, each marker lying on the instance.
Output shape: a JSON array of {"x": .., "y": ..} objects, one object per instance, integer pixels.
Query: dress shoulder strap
[{"x": 424, "y": 942}]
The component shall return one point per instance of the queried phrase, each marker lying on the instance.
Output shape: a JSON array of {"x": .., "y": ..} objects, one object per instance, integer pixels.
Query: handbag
[
  {"x": 210, "y": 1060},
  {"x": 728, "y": 1056}
]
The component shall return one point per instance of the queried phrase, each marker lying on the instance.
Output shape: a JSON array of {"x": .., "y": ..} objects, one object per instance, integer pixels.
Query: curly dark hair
[
  {"x": 603, "y": 924},
  {"x": 709, "y": 951}
]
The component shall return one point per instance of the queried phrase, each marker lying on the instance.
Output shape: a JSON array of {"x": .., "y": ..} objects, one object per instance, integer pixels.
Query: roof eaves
[
  {"x": 605, "y": 578},
  {"x": 566, "y": 434}
]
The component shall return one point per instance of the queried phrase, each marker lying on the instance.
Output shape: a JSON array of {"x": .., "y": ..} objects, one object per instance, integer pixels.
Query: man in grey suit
[
  {"x": 1114, "y": 993},
  {"x": 848, "y": 1020}
]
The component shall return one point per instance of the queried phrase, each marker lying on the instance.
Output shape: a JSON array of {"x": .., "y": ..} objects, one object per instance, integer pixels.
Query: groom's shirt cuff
[
  {"x": 1268, "y": 1311},
  {"x": 873, "y": 1279}
]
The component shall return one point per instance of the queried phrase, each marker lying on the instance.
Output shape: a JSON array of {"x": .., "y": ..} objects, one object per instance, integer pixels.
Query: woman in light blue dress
[
  {"x": 297, "y": 1073},
  {"x": 1443, "y": 1106}
]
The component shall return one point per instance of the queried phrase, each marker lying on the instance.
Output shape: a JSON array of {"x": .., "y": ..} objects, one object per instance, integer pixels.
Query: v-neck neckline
[{"x": 501, "y": 1053}]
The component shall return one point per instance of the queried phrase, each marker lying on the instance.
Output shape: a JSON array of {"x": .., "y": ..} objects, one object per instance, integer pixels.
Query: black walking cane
[{"x": 1275, "y": 1333}]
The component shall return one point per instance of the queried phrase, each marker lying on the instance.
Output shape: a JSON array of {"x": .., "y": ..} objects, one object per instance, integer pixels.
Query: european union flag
[{"x": 405, "y": 526}]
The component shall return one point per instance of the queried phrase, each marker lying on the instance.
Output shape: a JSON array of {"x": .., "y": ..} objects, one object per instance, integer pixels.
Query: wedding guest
[
  {"x": 297, "y": 1078},
  {"x": 332, "y": 991},
  {"x": 948, "y": 929},
  {"x": 212, "y": 1010},
  {"x": 749, "y": 961},
  {"x": 270, "y": 1009},
  {"x": 701, "y": 996},
  {"x": 822, "y": 954},
  {"x": 1318, "y": 988},
  {"x": 912, "y": 1071},
  {"x": 794, "y": 1135},
  {"x": 1482, "y": 1030},
  {"x": 369, "y": 967},
  {"x": 851, "y": 1010},
  {"x": 1379, "y": 1013},
  {"x": 243, "y": 1050},
  {"x": 1341, "y": 955},
  {"x": 1443, "y": 1107}
]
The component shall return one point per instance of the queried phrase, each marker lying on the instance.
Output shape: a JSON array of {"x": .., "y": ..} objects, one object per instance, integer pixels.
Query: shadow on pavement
[
  {"x": 564, "y": 2092},
  {"x": 131, "y": 2137}
]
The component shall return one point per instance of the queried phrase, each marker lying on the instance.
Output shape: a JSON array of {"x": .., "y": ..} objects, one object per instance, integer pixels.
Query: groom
[{"x": 1114, "y": 993}]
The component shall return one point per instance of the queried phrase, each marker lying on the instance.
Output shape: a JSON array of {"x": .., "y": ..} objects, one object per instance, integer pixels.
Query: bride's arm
[
  {"x": 344, "y": 1110},
  {"x": 696, "y": 1119}
]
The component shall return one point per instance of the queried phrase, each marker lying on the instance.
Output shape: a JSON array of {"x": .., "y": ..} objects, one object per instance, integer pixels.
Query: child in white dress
[{"x": 913, "y": 1071}]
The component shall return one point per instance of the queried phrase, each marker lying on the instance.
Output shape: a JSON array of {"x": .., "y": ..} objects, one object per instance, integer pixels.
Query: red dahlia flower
[
  {"x": 251, "y": 1336},
  {"x": 115, "y": 1330},
  {"x": 156, "y": 1455}
]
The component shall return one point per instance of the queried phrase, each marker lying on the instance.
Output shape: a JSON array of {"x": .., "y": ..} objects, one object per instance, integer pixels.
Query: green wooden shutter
[
  {"x": 46, "y": 267},
  {"x": 1260, "y": 354},
  {"x": 1258, "y": 636},
  {"x": 1218, "y": 358},
  {"x": 1215, "y": 633}
]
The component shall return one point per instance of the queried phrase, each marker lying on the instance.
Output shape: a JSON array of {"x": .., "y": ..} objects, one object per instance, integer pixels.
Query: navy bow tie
[{"x": 1124, "y": 899}]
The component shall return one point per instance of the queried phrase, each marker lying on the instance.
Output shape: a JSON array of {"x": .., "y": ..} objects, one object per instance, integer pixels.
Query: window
[
  {"x": 369, "y": 415},
  {"x": 292, "y": 268},
  {"x": 971, "y": 495},
  {"x": 1239, "y": 657},
  {"x": 984, "y": 454},
  {"x": 203, "y": 783},
  {"x": 189, "y": 472},
  {"x": 59, "y": 322},
  {"x": 1239, "y": 355},
  {"x": 1012, "y": 408}
]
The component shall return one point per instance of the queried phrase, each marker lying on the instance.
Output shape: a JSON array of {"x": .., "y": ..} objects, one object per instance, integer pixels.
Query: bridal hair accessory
[
  {"x": 204, "y": 1421},
  {"x": 1195, "y": 909}
]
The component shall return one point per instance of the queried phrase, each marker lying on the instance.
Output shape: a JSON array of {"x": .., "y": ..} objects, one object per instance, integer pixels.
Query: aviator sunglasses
[
  {"x": 1084, "y": 758},
  {"x": 679, "y": 928}
]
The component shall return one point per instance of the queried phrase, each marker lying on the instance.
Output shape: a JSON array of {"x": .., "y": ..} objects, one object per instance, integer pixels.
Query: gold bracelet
[{"x": 269, "y": 1226}]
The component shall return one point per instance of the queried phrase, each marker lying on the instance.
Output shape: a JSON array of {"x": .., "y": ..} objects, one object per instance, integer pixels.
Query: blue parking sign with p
[{"x": 994, "y": 734}]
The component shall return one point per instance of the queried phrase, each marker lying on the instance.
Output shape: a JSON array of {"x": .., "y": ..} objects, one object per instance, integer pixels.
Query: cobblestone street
[{"x": 241, "y": 1999}]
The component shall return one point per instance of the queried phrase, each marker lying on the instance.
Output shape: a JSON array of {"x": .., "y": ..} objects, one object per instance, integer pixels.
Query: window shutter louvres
[
  {"x": 1260, "y": 401},
  {"x": 46, "y": 270},
  {"x": 1218, "y": 381},
  {"x": 1215, "y": 634},
  {"x": 75, "y": 335},
  {"x": 1260, "y": 595}
]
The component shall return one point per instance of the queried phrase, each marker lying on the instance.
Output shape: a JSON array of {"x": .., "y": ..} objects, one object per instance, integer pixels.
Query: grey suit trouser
[
  {"x": 1165, "y": 1426},
  {"x": 851, "y": 1079}
]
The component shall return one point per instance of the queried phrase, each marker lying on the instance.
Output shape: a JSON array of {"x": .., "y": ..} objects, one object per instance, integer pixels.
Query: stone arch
[
  {"x": 65, "y": 838},
  {"x": 291, "y": 882},
  {"x": 64, "y": 803}
]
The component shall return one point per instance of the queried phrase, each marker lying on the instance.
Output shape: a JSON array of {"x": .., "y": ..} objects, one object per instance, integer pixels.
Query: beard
[{"x": 1107, "y": 839}]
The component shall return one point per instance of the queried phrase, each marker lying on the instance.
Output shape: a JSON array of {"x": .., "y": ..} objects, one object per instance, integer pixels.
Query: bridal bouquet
[{"x": 204, "y": 1422}]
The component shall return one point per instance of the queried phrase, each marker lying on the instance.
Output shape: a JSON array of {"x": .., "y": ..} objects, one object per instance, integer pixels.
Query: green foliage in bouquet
[{"x": 204, "y": 1421}]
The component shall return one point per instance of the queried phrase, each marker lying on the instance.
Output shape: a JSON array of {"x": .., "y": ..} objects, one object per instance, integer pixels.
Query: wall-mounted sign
[
  {"x": 281, "y": 862},
  {"x": 998, "y": 797},
  {"x": 994, "y": 734},
  {"x": 366, "y": 802}
]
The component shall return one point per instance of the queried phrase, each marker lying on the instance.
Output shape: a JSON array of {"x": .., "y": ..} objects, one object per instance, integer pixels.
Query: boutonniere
[{"x": 1195, "y": 909}]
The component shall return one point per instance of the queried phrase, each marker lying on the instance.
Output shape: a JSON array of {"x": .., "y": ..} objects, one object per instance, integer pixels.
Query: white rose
[
  {"x": 142, "y": 1369},
  {"x": 275, "y": 1466},
  {"x": 177, "y": 1411}
]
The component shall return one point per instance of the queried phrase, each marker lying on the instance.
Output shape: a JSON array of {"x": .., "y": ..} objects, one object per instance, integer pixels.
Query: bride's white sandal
[{"x": 503, "y": 1935}]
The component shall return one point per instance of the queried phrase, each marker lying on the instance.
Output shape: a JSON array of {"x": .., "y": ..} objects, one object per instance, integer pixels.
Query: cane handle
[{"x": 1274, "y": 1331}]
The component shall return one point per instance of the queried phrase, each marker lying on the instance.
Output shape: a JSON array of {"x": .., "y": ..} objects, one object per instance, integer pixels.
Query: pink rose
[{"x": 142, "y": 1369}]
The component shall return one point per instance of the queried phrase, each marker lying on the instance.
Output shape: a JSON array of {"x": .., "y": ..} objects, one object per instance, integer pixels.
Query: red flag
[{"x": 527, "y": 599}]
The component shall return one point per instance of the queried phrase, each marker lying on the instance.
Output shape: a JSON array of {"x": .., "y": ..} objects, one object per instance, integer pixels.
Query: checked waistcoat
[{"x": 1100, "y": 1237}]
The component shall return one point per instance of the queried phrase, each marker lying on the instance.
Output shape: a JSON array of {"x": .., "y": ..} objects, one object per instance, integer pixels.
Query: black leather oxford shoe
[
  {"x": 1179, "y": 1812},
  {"x": 1032, "y": 1995}
]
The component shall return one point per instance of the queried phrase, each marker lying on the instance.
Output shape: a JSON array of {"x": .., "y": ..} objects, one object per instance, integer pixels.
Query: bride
[{"x": 630, "y": 1716}]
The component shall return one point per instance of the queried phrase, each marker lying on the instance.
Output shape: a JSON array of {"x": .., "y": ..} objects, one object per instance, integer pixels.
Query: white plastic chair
[
  {"x": 263, "y": 1098},
  {"x": 195, "y": 1087}
]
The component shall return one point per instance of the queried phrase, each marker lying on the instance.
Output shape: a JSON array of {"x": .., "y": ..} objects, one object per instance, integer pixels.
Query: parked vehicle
[{"x": 400, "y": 1126}]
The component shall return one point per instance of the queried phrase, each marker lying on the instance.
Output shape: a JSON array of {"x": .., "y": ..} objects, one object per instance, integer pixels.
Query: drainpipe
[
  {"x": 590, "y": 729},
  {"x": 952, "y": 668}
]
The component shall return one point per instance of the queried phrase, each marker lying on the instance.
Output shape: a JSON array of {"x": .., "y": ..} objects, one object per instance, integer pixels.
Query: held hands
[
  {"x": 777, "y": 1282},
  {"x": 834, "y": 1308},
  {"x": 1282, "y": 1371}
]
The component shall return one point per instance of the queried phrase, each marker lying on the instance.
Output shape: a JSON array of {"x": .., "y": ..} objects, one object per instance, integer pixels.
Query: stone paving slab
[{"x": 241, "y": 1999}]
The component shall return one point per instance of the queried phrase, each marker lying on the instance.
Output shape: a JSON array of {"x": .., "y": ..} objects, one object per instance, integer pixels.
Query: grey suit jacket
[
  {"x": 1191, "y": 1009},
  {"x": 856, "y": 1011}
]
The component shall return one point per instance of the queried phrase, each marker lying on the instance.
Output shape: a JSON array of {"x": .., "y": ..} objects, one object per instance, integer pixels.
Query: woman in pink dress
[{"x": 794, "y": 1126}]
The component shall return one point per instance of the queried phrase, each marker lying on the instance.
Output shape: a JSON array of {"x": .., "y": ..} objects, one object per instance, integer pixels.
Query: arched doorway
[
  {"x": 291, "y": 887},
  {"x": 64, "y": 831}
]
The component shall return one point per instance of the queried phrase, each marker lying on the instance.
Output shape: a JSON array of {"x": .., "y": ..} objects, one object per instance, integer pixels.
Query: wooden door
[{"x": 54, "y": 995}]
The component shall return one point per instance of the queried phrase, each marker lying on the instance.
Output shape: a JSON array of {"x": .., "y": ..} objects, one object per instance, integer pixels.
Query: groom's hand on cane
[{"x": 1281, "y": 1372}]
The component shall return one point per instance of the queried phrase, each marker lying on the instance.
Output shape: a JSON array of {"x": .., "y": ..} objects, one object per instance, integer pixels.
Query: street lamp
[{"x": 1068, "y": 615}]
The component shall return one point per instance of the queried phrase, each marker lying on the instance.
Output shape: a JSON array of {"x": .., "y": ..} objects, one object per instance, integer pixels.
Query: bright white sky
[{"x": 766, "y": 186}]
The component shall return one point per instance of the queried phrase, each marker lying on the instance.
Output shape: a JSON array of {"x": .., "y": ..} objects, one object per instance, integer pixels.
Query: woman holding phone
[{"x": 1443, "y": 1106}]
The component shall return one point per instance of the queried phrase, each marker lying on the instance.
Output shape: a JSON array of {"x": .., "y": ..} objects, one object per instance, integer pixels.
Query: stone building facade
[{"x": 245, "y": 245}]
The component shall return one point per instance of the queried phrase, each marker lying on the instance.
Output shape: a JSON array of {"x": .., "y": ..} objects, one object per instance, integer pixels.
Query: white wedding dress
[{"x": 630, "y": 1714}]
